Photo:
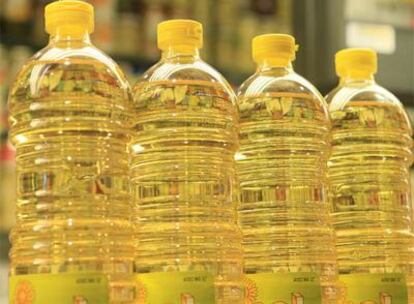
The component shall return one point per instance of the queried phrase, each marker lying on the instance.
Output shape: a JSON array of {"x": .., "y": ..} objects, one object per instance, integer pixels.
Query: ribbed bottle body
[
  {"x": 284, "y": 210},
  {"x": 370, "y": 185},
  {"x": 69, "y": 126},
  {"x": 184, "y": 182}
]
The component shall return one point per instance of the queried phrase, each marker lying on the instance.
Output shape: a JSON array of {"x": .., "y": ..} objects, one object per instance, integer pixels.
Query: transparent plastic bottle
[
  {"x": 188, "y": 245},
  {"x": 73, "y": 238},
  {"x": 370, "y": 183},
  {"x": 288, "y": 240},
  {"x": 7, "y": 188}
]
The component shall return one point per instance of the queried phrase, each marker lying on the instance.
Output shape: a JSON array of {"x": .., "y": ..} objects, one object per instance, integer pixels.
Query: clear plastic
[
  {"x": 370, "y": 180},
  {"x": 284, "y": 145},
  {"x": 183, "y": 173},
  {"x": 68, "y": 115}
]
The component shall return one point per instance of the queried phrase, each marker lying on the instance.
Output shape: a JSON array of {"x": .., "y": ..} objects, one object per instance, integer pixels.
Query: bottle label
[
  {"x": 83, "y": 288},
  {"x": 175, "y": 288},
  {"x": 283, "y": 288},
  {"x": 375, "y": 288}
]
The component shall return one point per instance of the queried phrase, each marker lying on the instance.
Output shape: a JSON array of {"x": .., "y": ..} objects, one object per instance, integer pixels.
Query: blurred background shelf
[
  {"x": 4, "y": 248},
  {"x": 4, "y": 243},
  {"x": 126, "y": 30}
]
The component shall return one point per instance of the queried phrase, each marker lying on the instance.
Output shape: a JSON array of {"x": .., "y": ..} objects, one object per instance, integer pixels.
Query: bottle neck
[
  {"x": 279, "y": 64},
  {"x": 182, "y": 53},
  {"x": 357, "y": 78},
  {"x": 69, "y": 37}
]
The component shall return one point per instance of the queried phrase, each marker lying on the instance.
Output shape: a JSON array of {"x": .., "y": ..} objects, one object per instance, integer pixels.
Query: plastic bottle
[
  {"x": 73, "y": 238},
  {"x": 183, "y": 176},
  {"x": 370, "y": 183},
  {"x": 284, "y": 143},
  {"x": 7, "y": 188}
]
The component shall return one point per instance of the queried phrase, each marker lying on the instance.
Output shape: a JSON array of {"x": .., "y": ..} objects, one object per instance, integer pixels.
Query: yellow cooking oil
[
  {"x": 289, "y": 251},
  {"x": 183, "y": 179},
  {"x": 369, "y": 182},
  {"x": 72, "y": 242}
]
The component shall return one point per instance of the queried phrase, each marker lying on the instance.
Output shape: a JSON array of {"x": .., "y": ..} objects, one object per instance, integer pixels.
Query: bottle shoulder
[
  {"x": 76, "y": 68},
  {"x": 285, "y": 97},
  {"x": 288, "y": 84},
  {"x": 360, "y": 92},
  {"x": 194, "y": 72},
  {"x": 369, "y": 102}
]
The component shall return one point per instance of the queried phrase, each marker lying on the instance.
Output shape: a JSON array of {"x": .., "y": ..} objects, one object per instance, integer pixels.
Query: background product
[
  {"x": 68, "y": 105},
  {"x": 183, "y": 175},
  {"x": 284, "y": 143},
  {"x": 370, "y": 182}
]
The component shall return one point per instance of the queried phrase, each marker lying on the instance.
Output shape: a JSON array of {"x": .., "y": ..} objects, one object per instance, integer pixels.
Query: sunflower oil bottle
[
  {"x": 288, "y": 241},
  {"x": 369, "y": 182},
  {"x": 72, "y": 241},
  {"x": 188, "y": 245}
]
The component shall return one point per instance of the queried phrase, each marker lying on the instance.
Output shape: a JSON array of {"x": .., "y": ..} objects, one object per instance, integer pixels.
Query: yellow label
[
  {"x": 283, "y": 288},
  {"x": 375, "y": 288},
  {"x": 84, "y": 288},
  {"x": 175, "y": 288}
]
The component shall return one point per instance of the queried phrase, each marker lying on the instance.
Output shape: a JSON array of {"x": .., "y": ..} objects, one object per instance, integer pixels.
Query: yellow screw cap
[
  {"x": 69, "y": 17},
  {"x": 180, "y": 33},
  {"x": 355, "y": 62},
  {"x": 277, "y": 48}
]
